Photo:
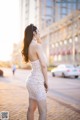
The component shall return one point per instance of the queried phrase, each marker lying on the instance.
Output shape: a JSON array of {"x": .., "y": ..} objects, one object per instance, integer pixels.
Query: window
[
  {"x": 64, "y": 11},
  {"x": 69, "y": 7},
  {"x": 49, "y": 11},
  {"x": 58, "y": 8},
  {"x": 64, "y": 4},
  {"x": 42, "y": 10},
  {"x": 42, "y": 1},
  {"x": 74, "y": 6},
  {"x": 78, "y": 5},
  {"x": 49, "y": 2}
]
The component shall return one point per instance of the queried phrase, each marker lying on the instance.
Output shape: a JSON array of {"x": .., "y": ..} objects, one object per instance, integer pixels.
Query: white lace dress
[{"x": 35, "y": 82}]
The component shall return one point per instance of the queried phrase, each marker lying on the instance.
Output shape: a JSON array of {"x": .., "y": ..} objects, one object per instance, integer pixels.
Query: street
[
  {"x": 63, "y": 99},
  {"x": 66, "y": 90}
]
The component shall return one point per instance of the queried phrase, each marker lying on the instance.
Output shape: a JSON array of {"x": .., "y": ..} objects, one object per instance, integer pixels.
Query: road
[{"x": 65, "y": 90}]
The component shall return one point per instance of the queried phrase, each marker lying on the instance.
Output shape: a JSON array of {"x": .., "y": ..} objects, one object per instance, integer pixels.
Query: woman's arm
[{"x": 39, "y": 52}]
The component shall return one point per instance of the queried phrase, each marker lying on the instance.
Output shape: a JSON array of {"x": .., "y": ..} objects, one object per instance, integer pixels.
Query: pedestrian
[
  {"x": 37, "y": 83},
  {"x": 13, "y": 69}
]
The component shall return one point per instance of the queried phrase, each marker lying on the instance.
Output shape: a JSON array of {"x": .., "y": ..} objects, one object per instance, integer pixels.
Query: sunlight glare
[{"x": 9, "y": 27}]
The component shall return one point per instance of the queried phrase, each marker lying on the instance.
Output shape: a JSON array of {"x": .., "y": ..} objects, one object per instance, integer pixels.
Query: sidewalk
[{"x": 15, "y": 100}]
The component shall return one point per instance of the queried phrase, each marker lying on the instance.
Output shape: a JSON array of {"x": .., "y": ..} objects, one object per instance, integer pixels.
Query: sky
[{"x": 9, "y": 27}]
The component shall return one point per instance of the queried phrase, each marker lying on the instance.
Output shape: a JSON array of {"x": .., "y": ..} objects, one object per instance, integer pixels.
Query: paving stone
[{"x": 15, "y": 100}]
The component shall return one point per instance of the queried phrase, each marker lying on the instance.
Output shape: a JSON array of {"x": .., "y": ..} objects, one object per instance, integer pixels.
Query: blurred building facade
[
  {"x": 16, "y": 55},
  {"x": 27, "y": 10},
  {"x": 43, "y": 13},
  {"x": 63, "y": 40},
  {"x": 58, "y": 21},
  {"x": 50, "y": 11}
]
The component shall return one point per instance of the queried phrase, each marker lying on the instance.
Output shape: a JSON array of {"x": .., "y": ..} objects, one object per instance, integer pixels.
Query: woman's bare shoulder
[{"x": 38, "y": 46}]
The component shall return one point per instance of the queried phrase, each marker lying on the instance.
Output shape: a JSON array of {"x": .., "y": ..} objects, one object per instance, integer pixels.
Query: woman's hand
[
  {"x": 46, "y": 86},
  {"x": 37, "y": 36}
]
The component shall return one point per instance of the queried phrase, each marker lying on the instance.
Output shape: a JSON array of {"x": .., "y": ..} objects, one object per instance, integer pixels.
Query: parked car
[
  {"x": 65, "y": 71},
  {"x": 78, "y": 68},
  {"x": 1, "y": 72}
]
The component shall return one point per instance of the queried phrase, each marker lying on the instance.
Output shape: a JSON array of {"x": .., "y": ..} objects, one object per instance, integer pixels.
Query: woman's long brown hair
[{"x": 28, "y": 36}]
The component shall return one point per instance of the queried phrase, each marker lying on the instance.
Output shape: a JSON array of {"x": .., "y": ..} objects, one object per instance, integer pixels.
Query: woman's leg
[
  {"x": 31, "y": 109},
  {"x": 42, "y": 108}
]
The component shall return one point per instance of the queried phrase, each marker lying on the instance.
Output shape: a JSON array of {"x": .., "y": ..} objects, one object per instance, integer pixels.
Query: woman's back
[
  {"x": 36, "y": 53},
  {"x": 36, "y": 75},
  {"x": 32, "y": 51}
]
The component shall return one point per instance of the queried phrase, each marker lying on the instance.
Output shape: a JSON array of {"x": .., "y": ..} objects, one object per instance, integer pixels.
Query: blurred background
[{"x": 59, "y": 25}]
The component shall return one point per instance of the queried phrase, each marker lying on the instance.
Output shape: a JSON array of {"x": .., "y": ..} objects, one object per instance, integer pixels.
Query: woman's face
[
  {"x": 38, "y": 33},
  {"x": 37, "y": 36}
]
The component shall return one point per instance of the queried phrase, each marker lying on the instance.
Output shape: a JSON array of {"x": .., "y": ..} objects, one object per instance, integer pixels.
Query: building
[
  {"x": 62, "y": 40},
  {"x": 51, "y": 11},
  {"x": 43, "y": 13},
  {"x": 27, "y": 10},
  {"x": 56, "y": 20}
]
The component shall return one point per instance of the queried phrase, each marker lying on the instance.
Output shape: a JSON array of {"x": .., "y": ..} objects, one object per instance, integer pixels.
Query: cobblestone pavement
[{"x": 15, "y": 100}]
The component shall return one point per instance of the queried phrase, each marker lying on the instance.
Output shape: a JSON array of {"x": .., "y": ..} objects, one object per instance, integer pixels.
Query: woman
[{"x": 37, "y": 83}]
